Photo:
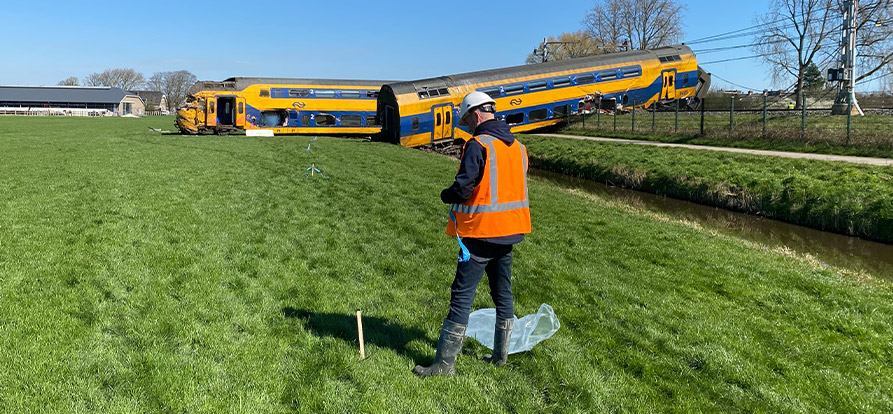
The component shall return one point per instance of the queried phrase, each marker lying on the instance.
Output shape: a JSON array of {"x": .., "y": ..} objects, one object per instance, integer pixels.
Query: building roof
[
  {"x": 150, "y": 97},
  {"x": 49, "y": 94}
]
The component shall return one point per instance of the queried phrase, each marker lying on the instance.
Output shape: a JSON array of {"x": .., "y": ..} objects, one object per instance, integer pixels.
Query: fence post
[
  {"x": 634, "y": 116},
  {"x": 703, "y": 105},
  {"x": 598, "y": 114},
  {"x": 731, "y": 115},
  {"x": 583, "y": 117},
  {"x": 676, "y": 128},
  {"x": 653, "y": 115},
  {"x": 849, "y": 120},
  {"x": 765, "y": 105},
  {"x": 615, "y": 116},
  {"x": 803, "y": 121}
]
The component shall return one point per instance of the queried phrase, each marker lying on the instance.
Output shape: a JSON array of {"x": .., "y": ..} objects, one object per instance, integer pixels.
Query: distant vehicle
[
  {"x": 284, "y": 106},
  {"x": 529, "y": 97}
]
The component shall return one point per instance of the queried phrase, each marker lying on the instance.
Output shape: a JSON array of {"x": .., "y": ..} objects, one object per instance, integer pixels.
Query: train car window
[
  {"x": 585, "y": 78},
  {"x": 325, "y": 120},
  {"x": 632, "y": 72},
  {"x": 437, "y": 119},
  {"x": 684, "y": 80},
  {"x": 305, "y": 119},
  {"x": 515, "y": 119},
  {"x": 492, "y": 91},
  {"x": 371, "y": 120},
  {"x": 242, "y": 106},
  {"x": 277, "y": 93},
  {"x": 607, "y": 75},
  {"x": 298, "y": 93},
  {"x": 415, "y": 123},
  {"x": 423, "y": 94},
  {"x": 562, "y": 81},
  {"x": 671, "y": 80},
  {"x": 351, "y": 120},
  {"x": 325, "y": 94},
  {"x": 213, "y": 107},
  {"x": 537, "y": 85},
  {"x": 443, "y": 91},
  {"x": 512, "y": 89},
  {"x": 265, "y": 92},
  {"x": 447, "y": 117},
  {"x": 538, "y": 115},
  {"x": 350, "y": 94},
  {"x": 433, "y": 92},
  {"x": 560, "y": 111},
  {"x": 625, "y": 99},
  {"x": 372, "y": 94}
]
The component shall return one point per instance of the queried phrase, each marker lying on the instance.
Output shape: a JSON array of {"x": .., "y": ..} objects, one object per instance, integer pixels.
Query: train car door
[
  {"x": 668, "y": 91},
  {"x": 443, "y": 122},
  {"x": 211, "y": 112},
  {"x": 240, "y": 112}
]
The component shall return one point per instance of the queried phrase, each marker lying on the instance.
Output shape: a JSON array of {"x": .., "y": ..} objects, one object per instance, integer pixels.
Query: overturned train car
[
  {"x": 283, "y": 106},
  {"x": 529, "y": 97}
]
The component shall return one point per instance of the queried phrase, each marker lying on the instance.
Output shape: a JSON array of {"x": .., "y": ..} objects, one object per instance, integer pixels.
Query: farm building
[
  {"x": 69, "y": 100},
  {"x": 156, "y": 102}
]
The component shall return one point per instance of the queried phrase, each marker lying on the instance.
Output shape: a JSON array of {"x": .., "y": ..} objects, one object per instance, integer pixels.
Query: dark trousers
[{"x": 496, "y": 260}]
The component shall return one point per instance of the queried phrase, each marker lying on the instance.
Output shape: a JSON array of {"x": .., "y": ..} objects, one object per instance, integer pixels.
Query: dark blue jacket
[{"x": 471, "y": 171}]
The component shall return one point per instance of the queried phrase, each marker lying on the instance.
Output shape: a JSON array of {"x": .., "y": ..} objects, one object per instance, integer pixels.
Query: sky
[{"x": 370, "y": 39}]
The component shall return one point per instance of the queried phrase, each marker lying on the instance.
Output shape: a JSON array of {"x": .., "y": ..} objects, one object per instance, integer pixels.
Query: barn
[{"x": 69, "y": 101}]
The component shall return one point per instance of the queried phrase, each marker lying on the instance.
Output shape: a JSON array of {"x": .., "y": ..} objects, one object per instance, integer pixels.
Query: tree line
[
  {"x": 175, "y": 84},
  {"x": 796, "y": 39}
]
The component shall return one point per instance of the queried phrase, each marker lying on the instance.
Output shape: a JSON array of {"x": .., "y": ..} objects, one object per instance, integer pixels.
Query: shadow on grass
[{"x": 377, "y": 331}]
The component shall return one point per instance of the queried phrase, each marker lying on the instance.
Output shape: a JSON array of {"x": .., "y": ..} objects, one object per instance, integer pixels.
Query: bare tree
[
  {"x": 643, "y": 24},
  {"x": 175, "y": 86},
  {"x": 70, "y": 81},
  {"x": 127, "y": 79},
  {"x": 795, "y": 32},
  {"x": 566, "y": 46}
]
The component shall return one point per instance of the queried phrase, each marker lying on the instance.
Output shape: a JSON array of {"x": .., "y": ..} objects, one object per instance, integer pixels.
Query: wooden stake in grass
[{"x": 360, "y": 331}]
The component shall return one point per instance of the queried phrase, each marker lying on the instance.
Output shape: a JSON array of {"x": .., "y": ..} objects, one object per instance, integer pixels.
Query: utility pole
[
  {"x": 845, "y": 74},
  {"x": 542, "y": 50}
]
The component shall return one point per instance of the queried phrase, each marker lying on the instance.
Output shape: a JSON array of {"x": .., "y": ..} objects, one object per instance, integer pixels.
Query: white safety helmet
[{"x": 472, "y": 101}]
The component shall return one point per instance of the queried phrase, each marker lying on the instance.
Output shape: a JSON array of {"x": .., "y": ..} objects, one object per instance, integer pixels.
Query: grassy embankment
[
  {"x": 840, "y": 197},
  {"x": 871, "y": 135},
  {"x": 148, "y": 273}
]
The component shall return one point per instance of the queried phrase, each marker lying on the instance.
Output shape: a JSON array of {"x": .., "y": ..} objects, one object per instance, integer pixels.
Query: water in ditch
[{"x": 834, "y": 249}]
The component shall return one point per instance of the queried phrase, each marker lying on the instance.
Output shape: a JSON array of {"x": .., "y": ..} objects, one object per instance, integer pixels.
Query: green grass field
[
  {"x": 871, "y": 135},
  {"x": 151, "y": 273}
]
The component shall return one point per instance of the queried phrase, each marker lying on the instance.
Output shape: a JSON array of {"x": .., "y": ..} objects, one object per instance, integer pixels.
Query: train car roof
[
  {"x": 493, "y": 75},
  {"x": 240, "y": 83}
]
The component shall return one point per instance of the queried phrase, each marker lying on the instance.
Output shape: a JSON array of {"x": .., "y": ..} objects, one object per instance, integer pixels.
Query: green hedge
[{"x": 840, "y": 197}]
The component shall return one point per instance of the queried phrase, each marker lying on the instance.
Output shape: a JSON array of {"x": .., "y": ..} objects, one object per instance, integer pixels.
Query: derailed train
[
  {"x": 529, "y": 97},
  {"x": 283, "y": 106},
  {"x": 423, "y": 112}
]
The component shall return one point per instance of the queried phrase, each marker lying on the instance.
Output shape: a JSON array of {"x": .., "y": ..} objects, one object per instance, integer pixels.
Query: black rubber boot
[
  {"x": 448, "y": 346},
  {"x": 501, "y": 337}
]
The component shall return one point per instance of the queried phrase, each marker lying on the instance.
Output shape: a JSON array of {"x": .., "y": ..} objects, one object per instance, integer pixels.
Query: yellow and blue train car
[
  {"x": 529, "y": 97},
  {"x": 283, "y": 106}
]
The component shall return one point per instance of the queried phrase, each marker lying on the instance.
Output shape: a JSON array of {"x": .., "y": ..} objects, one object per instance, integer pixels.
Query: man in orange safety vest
[{"x": 489, "y": 211}]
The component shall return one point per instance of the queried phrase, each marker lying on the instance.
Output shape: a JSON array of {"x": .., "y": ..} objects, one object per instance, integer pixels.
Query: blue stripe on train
[{"x": 254, "y": 116}]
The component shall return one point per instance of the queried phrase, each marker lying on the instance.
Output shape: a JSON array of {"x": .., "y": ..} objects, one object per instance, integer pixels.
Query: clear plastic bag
[{"x": 527, "y": 332}]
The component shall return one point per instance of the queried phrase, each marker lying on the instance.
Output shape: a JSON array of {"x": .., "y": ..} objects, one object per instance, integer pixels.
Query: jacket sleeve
[{"x": 471, "y": 171}]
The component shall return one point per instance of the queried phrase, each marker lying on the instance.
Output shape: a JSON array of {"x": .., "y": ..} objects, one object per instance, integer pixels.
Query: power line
[
  {"x": 733, "y": 83},
  {"x": 733, "y": 59}
]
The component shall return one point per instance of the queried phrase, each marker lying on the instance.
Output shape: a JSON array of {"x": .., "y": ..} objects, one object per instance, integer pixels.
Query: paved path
[{"x": 823, "y": 157}]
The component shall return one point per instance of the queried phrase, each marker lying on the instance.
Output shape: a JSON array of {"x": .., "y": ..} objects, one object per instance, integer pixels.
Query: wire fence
[{"x": 757, "y": 116}]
